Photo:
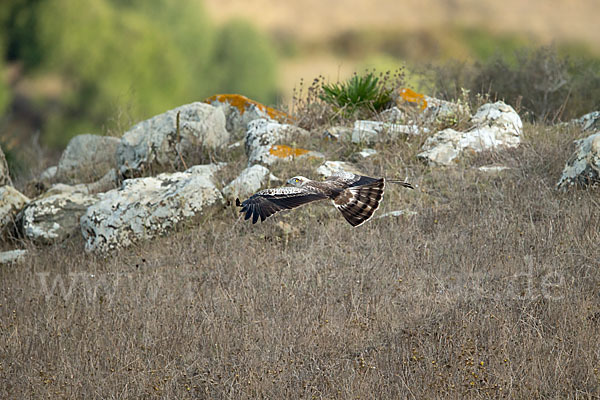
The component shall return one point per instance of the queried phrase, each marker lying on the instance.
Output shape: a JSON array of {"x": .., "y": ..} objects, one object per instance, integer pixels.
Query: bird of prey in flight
[{"x": 356, "y": 196}]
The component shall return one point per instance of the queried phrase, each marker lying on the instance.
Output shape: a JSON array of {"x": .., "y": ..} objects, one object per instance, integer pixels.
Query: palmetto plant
[{"x": 360, "y": 94}]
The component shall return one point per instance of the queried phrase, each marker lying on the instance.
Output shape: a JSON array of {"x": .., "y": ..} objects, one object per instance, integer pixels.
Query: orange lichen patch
[
  {"x": 283, "y": 151},
  {"x": 413, "y": 97},
  {"x": 242, "y": 103}
]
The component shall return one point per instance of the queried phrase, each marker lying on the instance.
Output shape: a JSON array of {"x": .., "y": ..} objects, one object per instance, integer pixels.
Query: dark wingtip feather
[{"x": 401, "y": 183}]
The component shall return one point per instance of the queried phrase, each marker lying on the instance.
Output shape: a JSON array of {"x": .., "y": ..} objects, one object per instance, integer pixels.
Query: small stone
[
  {"x": 248, "y": 182},
  {"x": 12, "y": 257},
  {"x": 332, "y": 167}
]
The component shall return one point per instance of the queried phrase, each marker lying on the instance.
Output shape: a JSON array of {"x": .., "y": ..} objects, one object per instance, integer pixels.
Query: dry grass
[{"x": 491, "y": 290}]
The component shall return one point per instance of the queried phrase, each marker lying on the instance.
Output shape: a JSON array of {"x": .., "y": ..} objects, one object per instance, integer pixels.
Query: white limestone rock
[
  {"x": 376, "y": 131},
  {"x": 493, "y": 168},
  {"x": 104, "y": 184},
  {"x": 237, "y": 121},
  {"x": 54, "y": 217},
  {"x": 12, "y": 257},
  {"x": 86, "y": 159},
  {"x": 441, "y": 112},
  {"x": 262, "y": 134},
  {"x": 590, "y": 122},
  {"x": 329, "y": 168},
  {"x": 393, "y": 115},
  {"x": 248, "y": 182},
  {"x": 11, "y": 202},
  {"x": 155, "y": 142},
  {"x": 143, "y": 208},
  {"x": 49, "y": 174},
  {"x": 398, "y": 213},
  {"x": 366, "y": 152},
  {"x": 338, "y": 133},
  {"x": 494, "y": 126},
  {"x": 583, "y": 168},
  {"x": 4, "y": 175}
]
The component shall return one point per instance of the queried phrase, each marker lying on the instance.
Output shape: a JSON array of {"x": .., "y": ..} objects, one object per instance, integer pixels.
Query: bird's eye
[{"x": 296, "y": 180}]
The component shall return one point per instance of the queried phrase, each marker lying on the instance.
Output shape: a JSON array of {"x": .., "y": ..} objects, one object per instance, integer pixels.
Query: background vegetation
[{"x": 135, "y": 58}]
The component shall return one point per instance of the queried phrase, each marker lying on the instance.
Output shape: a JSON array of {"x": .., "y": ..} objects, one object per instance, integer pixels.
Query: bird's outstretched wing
[{"x": 269, "y": 201}]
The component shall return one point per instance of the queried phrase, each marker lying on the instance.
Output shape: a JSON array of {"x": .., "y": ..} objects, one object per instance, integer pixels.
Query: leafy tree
[
  {"x": 141, "y": 56},
  {"x": 244, "y": 62}
]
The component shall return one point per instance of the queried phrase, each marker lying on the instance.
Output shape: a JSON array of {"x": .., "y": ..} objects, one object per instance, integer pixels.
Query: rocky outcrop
[
  {"x": 249, "y": 181},
  {"x": 155, "y": 144},
  {"x": 54, "y": 217},
  {"x": 262, "y": 138},
  {"x": 86, "y": 159},
  {"x": 583, "y": 168},
  {"x": 240, "y": 110},
  {"x": 4, "y": 174},
  {"x": 11, "y": 202},
  {"x": 146, "y": 207},
  {"x": 494, "y": 126}
]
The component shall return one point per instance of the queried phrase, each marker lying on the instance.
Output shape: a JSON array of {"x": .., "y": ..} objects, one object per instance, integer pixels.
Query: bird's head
[{"x": 297, "y": 181}]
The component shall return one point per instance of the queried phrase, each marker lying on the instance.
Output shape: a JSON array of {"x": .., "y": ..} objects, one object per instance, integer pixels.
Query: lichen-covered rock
[
  {"x": 87, "y": 158},
  {"x": 52, "y": 218},
  {"x": 4, "y": 174},
  {"x": 146, "y": 207},
  {"x": 376, "y": 131},
  {"x": 583, "y": 168},
  {"x": 263, "y": 134},
  {"x": 11, "y": 202},
  {"x": 240, "y": 110},
  {"x": 590, "y": 122},
  {"x": 431, "y": 111},
  {"x": 248, "y": 182},
  {"x": 443, "y": 147},
  {"x": 155, "y": 143},
  {"x": 494, "y": 126},
  {"x": 329, "y": 168}
]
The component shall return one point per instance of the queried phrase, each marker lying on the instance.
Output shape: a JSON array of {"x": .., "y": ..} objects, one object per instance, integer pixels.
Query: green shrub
[{"x": 359, "y": 95}]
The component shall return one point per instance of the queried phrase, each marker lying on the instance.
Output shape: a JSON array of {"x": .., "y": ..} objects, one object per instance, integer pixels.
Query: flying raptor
[{"x": 356, "y": 196}]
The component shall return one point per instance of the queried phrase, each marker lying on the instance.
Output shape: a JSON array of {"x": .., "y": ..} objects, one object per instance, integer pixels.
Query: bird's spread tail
[{"x": 360, "y": 202}]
